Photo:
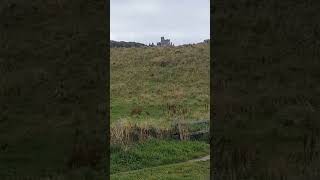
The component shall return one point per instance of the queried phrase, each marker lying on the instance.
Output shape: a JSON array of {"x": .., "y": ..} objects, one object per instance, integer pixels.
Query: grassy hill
[
  {"x": 149, "y": 79},
  {"x": 151, "y": 88},
  {"x": 117, "y": 44}
]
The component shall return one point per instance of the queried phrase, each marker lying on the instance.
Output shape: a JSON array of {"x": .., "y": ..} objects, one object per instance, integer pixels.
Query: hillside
[
  {"x": 150, "y": 79},
  {"x": 117, "y": 44},
  {"x": 151, "y": 89}
]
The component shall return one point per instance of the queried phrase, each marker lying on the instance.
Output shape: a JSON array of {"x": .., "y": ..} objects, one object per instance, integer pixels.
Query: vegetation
[
  {"x": 155, "y": 153},
  {"x": 154, "y": 92},
  {"x": 146, "y": 81},
  {"x": 181, "y": 171},
  {"x": 117, "y": 44}
]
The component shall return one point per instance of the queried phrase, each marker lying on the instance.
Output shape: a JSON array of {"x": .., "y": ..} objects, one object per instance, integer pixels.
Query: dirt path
[{"x": 205, "y": 158}]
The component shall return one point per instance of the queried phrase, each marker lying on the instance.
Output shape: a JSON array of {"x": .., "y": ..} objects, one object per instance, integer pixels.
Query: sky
[{"x": 145, "y": 21}]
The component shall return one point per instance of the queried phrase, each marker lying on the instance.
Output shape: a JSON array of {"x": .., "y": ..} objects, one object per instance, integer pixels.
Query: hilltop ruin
[{"x": 164, "y": 42}]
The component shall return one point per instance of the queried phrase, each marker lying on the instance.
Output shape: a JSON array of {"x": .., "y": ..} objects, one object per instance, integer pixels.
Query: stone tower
[{"x": 164, "y": 42}]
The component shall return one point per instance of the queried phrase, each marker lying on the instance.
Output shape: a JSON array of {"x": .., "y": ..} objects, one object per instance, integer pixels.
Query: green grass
[
  {"x": 151, "y": 78},
  {"x": 154, "y": 153},
  {"x": 181, "y": 171}
]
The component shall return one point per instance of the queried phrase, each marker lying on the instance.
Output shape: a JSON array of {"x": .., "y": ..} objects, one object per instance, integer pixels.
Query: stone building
[{"x": 164, "y": 42}]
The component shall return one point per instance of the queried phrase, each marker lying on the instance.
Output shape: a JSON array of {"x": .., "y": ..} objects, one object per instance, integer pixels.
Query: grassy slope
[
  {"x": 152, "y": 77},
  {"x": 185, "y": 171}
]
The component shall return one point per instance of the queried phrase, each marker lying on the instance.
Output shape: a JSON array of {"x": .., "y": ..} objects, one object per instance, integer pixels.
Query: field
[{"x": 156, "y": 91}]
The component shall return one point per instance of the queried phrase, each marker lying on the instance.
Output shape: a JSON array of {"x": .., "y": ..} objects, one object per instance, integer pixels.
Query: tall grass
[{"x": 151, "y": 78}]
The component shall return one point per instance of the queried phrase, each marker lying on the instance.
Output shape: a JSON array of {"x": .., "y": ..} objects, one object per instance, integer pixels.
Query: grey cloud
[{"x": 183, "y": 21}]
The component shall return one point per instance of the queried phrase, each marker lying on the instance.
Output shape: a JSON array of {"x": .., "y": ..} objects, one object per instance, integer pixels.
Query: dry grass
[
  {"x": 150, "y": 78},
  {"x": 125, "y": 132}
]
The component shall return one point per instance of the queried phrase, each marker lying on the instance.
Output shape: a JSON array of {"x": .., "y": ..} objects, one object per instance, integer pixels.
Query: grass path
[
  {"x": 153, "y": 153},
  {"x": 204, "y": 158},
  {"x": 193, "y": 169}
]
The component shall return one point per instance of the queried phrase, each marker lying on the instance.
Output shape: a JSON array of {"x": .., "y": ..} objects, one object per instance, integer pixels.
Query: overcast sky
[{"x": 145, "y": 21}]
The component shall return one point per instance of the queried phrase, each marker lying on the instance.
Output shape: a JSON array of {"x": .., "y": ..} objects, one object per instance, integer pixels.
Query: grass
[
  {"x": 185, "y": 171},
  {"x": 151, "y": 78},
  {"x": 151, "y": 88},
  {"x": 155, "y": 153}
]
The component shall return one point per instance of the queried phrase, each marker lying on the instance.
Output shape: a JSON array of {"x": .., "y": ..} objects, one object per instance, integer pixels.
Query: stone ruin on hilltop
[{"x": 164, "y": 42}]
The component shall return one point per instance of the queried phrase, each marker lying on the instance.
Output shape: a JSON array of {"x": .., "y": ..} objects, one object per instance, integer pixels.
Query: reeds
[{"x": 125, "y": 132}]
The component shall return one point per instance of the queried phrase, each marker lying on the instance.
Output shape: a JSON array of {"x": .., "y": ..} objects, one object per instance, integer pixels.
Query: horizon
[
  {"x": 155, "y": 43},
  {"x": 146, "y": 21}
]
